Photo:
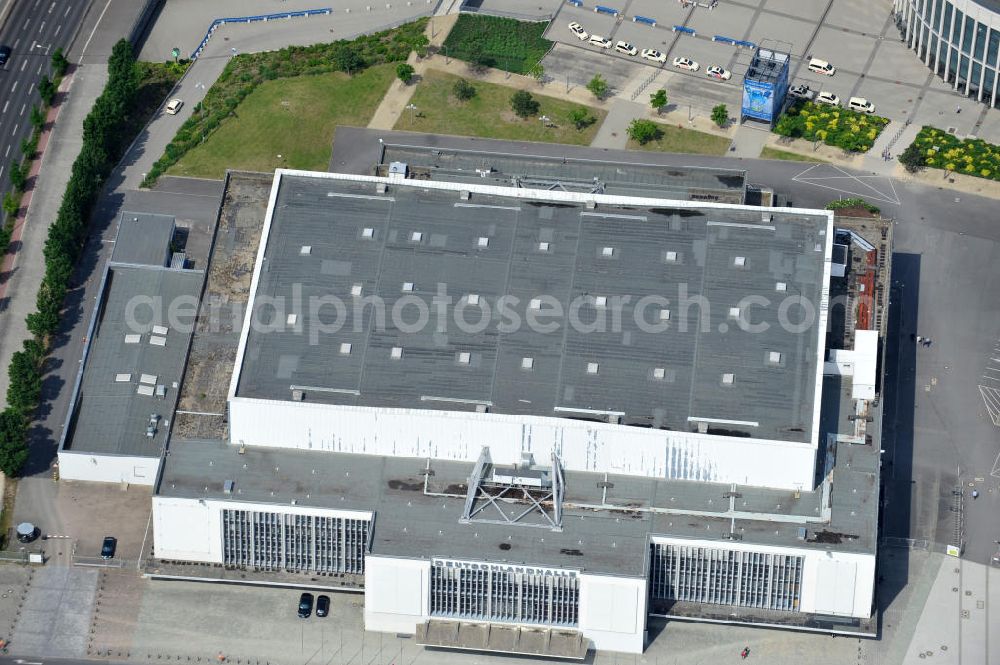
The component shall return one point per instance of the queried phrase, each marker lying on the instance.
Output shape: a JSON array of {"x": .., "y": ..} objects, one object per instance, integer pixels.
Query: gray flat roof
[
  {"x": 143, "y": 238},
  {"x": 109, "y": 415},
  {"x": 655, "y": 378},
  {"x": 493, "y": 165},
  {"x": 413, "y": 523}
]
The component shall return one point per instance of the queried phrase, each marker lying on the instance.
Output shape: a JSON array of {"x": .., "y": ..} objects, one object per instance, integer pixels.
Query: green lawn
[
  {"x": 294, "y": 118},
  {"x": 681, "y": 139},
  {"x": 493, "y": 41},
  {"x": 773, "y": 153},
  {"x": 489, "y": 115}
]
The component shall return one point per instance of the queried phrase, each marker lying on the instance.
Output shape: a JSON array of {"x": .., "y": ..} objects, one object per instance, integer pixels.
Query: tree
[
  {"x": 13, "y": 442},
  {"x": 644, "y": 131},
  {"x": 598, "y": 86},
  {"x": 463, "y": 90},
  {"x": 18, "y": 175},
  {"x": 405, "y": 72},
  {"x": 10, "y": 205},
  {"x": 720, "y": 115},
  {"x": 346, "y": 58},
  {"x": 537, "y": 72},
  {"x": 46, "y": 89},
  {"x": 581, "y": 117},
  {"x": 37, "y": 117},
  {"x": 523, "y": 104},
  {"x": 59, "y": 62},
  {"x": 658, "y": 100},
  {"x": 911, "y": 158}
]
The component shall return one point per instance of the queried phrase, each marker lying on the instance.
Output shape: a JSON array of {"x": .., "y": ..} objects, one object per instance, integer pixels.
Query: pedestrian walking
[{"x": 745, "y": 653}]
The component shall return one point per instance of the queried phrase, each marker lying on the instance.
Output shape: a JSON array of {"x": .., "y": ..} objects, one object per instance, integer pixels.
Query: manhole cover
[{"x": 968, "y": 593}]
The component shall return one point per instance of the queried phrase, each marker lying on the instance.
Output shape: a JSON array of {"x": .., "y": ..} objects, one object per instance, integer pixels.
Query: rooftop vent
[
  {"x": 157, "y": 341},
  {"x": 703, "y": 427},
  {"x": 416, "y": 236},
  {"x": 802, "y": 533},
  {"x": 664, "y": 315},
  {"x": 407, "y": 286},
  {"x": 465, "y": 195},
  {"x": 536, "y": 303},
  {"x": 397, "y": 170},
  {"x": 593, "y": 368},
  {"x": 591, "y": 204},
  {"x": 483, "y": 242},
  {"x": 780, "y": 286},
  {"x": 543, "y": 246},
  {"x": 482, "y": 408},
  {"x": 345, "y": 349},
  {"x": 472, "y": 299},
  {"x": 728, "y": 378},
  {"x": 227, "y": 487},
  {"x": 305, "y": 250},
  {"x": 298, "y": 395},
  {"x": 527, "y": 362},
  {"x": 600, "y": 301},
  {"x": 774, "y": 357},
  {"x": 356, "y": 290},
  {"x": 291, "y": 319},
  {"x": 160, "y": 330},
  {"x": 396, "y": 353},
  {"x": 659, "y": 373},
  {"x": 765, "y": 217},
  {"x": 123, "y": 378},
  {"x": 740, "y": 261},
  {"x": 608, "y": 252},
  {"x": 734, "y": 312},
  {"x": 464, "y": 357},
  {"x": 670, "y": 257},
  {"x": 368, "y": 232},
  {"x": 381, "y": 188},
  {"x": 132, "y": 339}
]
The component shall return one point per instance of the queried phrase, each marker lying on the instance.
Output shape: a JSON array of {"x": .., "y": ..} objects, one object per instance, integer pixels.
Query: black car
[
  {"x": 305, "y": 605},
  {"x": 108, "y": 547},
  {"x": 4, "y": 55},
  {"x": 322, "y": 606}
]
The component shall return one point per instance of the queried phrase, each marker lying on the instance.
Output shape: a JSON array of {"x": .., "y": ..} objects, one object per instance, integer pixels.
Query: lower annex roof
[{"x": 653, "y": 360}]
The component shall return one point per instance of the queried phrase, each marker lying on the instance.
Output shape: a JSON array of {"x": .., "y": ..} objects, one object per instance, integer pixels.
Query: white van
[
  {"x": 821, "y": 67},
  {"x": 860, "y": 104}
]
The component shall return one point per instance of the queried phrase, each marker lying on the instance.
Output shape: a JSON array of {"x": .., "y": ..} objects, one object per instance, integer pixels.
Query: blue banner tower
[{"x": 765, "y": 85}]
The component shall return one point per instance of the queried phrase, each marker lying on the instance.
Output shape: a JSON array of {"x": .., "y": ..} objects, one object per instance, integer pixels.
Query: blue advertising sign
[{"x": 758, "y": 100}]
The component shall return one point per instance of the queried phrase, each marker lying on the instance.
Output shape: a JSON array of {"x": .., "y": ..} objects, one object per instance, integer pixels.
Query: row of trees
[{"x": 104, "y": 141}]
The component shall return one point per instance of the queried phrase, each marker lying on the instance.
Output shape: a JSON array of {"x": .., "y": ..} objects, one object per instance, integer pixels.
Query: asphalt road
[{"x": 33, "y": 30}]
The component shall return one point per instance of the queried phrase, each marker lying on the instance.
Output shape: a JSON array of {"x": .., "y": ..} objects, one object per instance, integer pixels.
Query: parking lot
[{"x": 857, "y": 36}]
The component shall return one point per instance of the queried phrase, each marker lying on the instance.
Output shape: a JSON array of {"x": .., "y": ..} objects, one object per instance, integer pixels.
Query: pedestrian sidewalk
[
  {"x": 613, "y": 132},
  {"x": 748, "y": 140}
]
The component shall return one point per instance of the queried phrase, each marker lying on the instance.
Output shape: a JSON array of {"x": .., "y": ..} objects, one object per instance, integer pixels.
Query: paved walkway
[
  {"x": 613, "y": 132},
  {"x": 748, "y": 140}
]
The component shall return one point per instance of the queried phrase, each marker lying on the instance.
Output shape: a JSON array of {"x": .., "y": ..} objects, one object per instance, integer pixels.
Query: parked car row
[
  {"x": 651, "y": 54},
  {"x": 803, "y": 91},
  {"x": 306, "y": 606}
]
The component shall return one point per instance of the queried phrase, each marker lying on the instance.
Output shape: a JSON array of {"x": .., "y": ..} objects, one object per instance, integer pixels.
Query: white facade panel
[
  {"x": 824, "y": 573},
  {"x": 613, "y": 612},
  {"x": 191, "y": 529},
  {"x": 397, "y": 594},
  {"x": 108, "y": 468},
  {"x": 581, "y": 446}
]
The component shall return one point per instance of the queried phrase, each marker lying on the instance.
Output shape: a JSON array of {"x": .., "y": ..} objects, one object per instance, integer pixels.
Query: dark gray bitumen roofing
[
  {"x": 496, "y": 167},
  {"x": 410, "y": 523},
  {"x": 143, "y": 239},
  {"x": 655, "y": 252},
  {"x": 110, "y": 416}
]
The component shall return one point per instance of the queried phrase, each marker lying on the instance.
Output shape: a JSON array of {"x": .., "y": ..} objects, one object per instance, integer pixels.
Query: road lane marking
[
  {"x": 14, "y": 133},
  {"x": 51, "y": 7},
  {"x": 5, "y": 105},
  {"x": 31, "y": 87},
  {"x": 99, "y": 19},
  {"x": 39, "y": 69},
  {"x": 58, "y": 28},
  {"x": 66, "y": 13},
  {"x": 24, "y": 63},
  {"x": 8, "y": 151},
  {"x": 13, "y": 87},
  {"x": 23, "y": 106},
  {"x": 41, "y": 27},
  {"x": 27, "y": 22},
  {"x": 16, "y": 42}
]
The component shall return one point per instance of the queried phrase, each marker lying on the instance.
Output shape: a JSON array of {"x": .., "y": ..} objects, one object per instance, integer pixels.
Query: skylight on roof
[
  {"x": 291, "y": 319},
  {"x": 600, "y": 301},
  {"x": 483, "y": 242},
  {"x": 396, "y": 353},
  {"x": 659, "y": 373},
  {"x": 345, "y": 349},
  {"x": 472, "y": 298},
  {"x": 305, "y": 250},
  {"x": 664, "y": 315},
  {"x": 740, "y": 261},
  {"x": 536, "y": 303},
  {"x": 527, "y": 363},
  {"x": 734, "y": 312},
  {"x": 464, "y": 357},
  {"x": 670, "y": 256},
  {"x": 368, "y": 232},
  {"x": 780, "y": 286},
  {"x": 356, "y": 289},
  {"x": 727, "y": 379},
  {"x": 407, "y": 286},
  {"x": 593, "y": 368},
  {"x": 608, "y": 252},
  {"x": 774, "y": 357},
  {"x": 416, "y": 236},
  {"x": 543, "y": 246}
]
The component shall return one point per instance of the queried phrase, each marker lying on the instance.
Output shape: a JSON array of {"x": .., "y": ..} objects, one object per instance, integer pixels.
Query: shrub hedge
[
  {"x": 841, "y": 128},
  {"x": 493, "y": 41},
  {"x": 938, "y": 149},
  {"x": 246, "y": 71}
]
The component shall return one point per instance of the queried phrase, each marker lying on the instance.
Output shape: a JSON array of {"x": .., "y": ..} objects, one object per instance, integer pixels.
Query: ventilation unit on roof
[
  {"x": 591, "y": 204},
  {"x": 381, "y": 188},
  {"x": 766, "y": 217},
  {"x": 227, "y": 487},
  {"x": 397, "y": 170},
  {"x": 298, "y": 395},
  {"x": 465, "y": 195}
]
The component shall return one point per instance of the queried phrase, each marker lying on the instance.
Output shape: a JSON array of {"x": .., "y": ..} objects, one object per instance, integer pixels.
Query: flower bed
[
  {"x": 841, "y": 128},
  {"x": 938, "y": 149}
]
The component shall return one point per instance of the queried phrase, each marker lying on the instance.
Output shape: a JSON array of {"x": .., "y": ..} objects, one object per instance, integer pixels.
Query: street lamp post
[{"x": 412, "y": 108}]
